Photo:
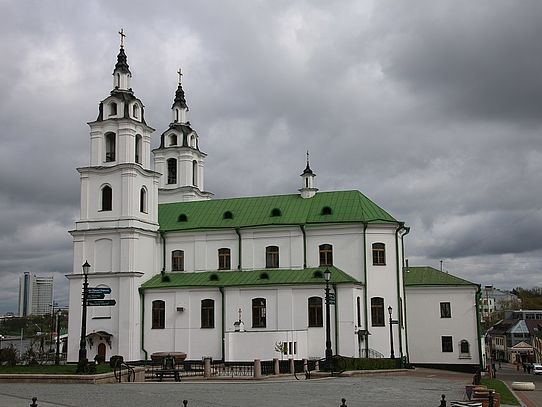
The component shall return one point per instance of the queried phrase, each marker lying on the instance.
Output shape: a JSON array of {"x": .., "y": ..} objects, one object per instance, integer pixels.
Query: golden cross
[
  {"x": 122, "y": 35},
  {"x": 180, "y": 74}
]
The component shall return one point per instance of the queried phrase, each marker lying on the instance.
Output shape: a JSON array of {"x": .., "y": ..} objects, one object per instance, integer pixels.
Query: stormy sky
[{"x": 432, "y": 109}]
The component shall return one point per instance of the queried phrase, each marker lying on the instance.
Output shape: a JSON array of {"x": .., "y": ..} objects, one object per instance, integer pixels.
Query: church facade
[{"x": 233, "y": 279}]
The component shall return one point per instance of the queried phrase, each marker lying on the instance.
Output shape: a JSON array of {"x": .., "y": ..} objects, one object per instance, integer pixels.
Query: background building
[{"x": 35, "y": 294}]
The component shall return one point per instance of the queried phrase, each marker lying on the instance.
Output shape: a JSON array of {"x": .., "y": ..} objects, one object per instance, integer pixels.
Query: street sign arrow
[
  {"x": 95, "y": 296},
  {"x": 100, "y": 303},
  {"x": 95, "y": 290}
]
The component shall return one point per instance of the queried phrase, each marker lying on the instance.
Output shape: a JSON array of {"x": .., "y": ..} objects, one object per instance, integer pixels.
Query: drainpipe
[
  {"x": 221, "y": 289},
  {"x": 478, "y": 328},
  {"x": 304, "y": 246},
  {"x": 239, "y": 251},
  {"x": 405, "y": 266},
  {"x": 163, "y": 238},
  {"x": 399, "y": 271},
  {"x": 365, "y": 311},
  {"x": 142, "y": 300}
]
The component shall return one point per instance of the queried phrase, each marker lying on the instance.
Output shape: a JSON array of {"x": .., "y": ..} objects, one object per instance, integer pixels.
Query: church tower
[
  {"x": 179, "y": 159},
  {"x": 117, "y": 232}
]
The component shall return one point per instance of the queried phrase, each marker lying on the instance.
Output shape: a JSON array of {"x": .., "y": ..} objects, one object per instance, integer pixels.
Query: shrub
[
  {"x": 116, "y": 361},
  {"x": 8, "y": 356},
  {"x": 99, "y": 359}
]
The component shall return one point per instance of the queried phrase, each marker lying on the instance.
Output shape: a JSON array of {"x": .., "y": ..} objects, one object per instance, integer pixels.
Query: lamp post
[
  {"x": 83, "y": 341},
  {"x": 57, "y": 353},
  {"x": 392, "y": 356},
  {"x": 329, "y": 352}
]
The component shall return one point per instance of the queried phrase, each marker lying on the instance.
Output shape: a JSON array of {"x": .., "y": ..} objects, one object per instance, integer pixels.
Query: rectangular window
[
  {"x": 272, "y": 257},
  {"x": 177, "y": 260},
  {"x": 315, "y": 312},
  {"x": 224, "y": 259},
  {"x": 447, "y": 345},
  {"x": 207, "y": 313},
  {"x": 445, "y": 310},
  {"x": 379, "y": 254},
  {"x": 258, "y": 313},
  {"x": 326, "y": 255},
  {"x": 377, "y": 311},
  {"x": 158, "y": 314}
]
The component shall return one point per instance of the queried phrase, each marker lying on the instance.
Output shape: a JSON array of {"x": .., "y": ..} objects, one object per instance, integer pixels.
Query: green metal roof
[
  {"x": 346, "y": 207},
  {"x": 248, "y": 278},
  {"x": 429, "y": 276}
]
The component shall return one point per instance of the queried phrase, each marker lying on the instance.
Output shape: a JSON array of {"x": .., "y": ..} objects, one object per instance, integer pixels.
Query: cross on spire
[
  {"x": 239, "y": 314},
  {"x": 180, "y": 72},
  {"x": 307, "y": 157},
  {"x": 122, "y": 35}
]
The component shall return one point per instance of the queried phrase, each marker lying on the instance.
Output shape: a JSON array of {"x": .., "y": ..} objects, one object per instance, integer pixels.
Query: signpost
[{"x": 100, "y": 290}]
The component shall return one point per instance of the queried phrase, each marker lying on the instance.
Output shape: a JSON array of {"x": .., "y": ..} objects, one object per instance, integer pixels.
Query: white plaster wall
[
  {"x": 426, "y": 327},
  {"x": 288, "y": 239}
]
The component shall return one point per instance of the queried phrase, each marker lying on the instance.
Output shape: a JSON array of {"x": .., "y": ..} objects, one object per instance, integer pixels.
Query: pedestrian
[
  {"x": 494, "y": 371},
  {"x": 500, "y": 367},
  {"x": 525, "y": 368},
  {"x": 529, "y": 368}
]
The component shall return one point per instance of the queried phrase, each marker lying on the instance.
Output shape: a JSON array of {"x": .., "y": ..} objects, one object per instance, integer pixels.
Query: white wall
[{"x": 426, "y": 327}]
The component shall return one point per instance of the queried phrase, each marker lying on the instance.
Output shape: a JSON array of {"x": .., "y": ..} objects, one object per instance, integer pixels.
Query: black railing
[{"x": 232, "y": 369}]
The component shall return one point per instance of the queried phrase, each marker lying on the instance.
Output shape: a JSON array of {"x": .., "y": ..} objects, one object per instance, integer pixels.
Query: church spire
[
  {"x": 121, "y": 73},
  {"x": 179, "y": 107},
  {"x": 307, "y": 189}
]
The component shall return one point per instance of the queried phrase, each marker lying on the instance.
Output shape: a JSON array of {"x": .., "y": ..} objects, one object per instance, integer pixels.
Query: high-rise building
[{"x": 35, "y": 294}]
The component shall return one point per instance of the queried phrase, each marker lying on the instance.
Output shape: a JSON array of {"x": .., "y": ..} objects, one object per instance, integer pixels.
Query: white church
[{"x": 223, "y": 278}]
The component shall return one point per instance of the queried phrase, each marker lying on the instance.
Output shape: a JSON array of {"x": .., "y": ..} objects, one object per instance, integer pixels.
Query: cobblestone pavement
[{"x": 404, "y": 390}]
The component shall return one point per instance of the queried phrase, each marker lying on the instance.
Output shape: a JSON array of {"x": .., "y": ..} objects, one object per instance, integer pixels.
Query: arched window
[
  {"x": 272, "y": 257},
  {"x": 172, "y": 139},
  {"x": 158, "y": 314},
  {"x": 227, "y": 215},
  {"x": 117, "y": 76},
  {"x": 195, "y": 173},
  {"x": 138, "y": 145},
  {"x": 358, "y": 309},
  {"x": 182, "y": 218},
  {"x": 207, "y": 313},
  {"x": 276, "y": 212},
  {"x": 258, "y": 313},
  {"x": 224, "y": 259},
  {"x": 172, "y": 171},
  {"x": 177, "y": 260},
  {"x": 379, "y": 254},
  {"x": 112, "y": 109},
  {"x": 315, "y": 312},
  {"x": 176, "y": 115},
  {"x": 143, "y": 200},
  {"x": 377, "y": 311},
  {"x": 135, "y": 111},
  {"x": 107, "y": 198},
  {"x": 110, "y": 147},
  {"x": 326, "y": 255},
  {"x": 464, "y": 348}
]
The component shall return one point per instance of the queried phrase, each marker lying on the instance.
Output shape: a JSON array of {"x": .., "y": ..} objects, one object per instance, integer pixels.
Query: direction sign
[
  {"x": 100, "y": 303},
  {"x": 95, "y": 290},
  {"x": 95, "y": 296}
]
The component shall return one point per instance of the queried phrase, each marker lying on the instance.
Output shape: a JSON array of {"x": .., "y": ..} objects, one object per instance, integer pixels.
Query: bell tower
[
  {"x": 179, "y": 159},
  {"x": 308, "y": 189},
  {"x": 117, "y": 231}
]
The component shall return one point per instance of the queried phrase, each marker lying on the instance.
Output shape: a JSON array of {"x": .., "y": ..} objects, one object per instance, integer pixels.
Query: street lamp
[
  {"x": 83, "y": 341},
  {"x": 57, "y": 354},
  {"x": 329, "y": 352},
  {"x": 392, "y": 356}
]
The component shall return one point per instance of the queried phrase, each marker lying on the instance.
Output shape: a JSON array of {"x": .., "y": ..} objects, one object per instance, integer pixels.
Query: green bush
[
  {"x": 84, "y": 367},
  {"x": 116, "y": 361},
  {"x": 367, "y": 364}
]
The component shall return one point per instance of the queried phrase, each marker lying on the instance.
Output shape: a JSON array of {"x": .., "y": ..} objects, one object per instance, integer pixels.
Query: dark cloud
[{"x": 430, "y": 108}]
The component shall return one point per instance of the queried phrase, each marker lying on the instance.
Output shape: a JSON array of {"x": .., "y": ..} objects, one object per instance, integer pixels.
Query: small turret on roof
[{"x": 307, "y": 188}]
